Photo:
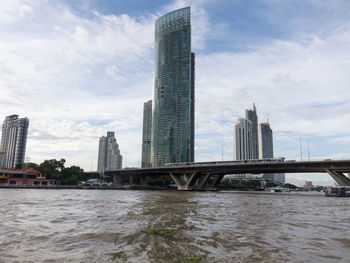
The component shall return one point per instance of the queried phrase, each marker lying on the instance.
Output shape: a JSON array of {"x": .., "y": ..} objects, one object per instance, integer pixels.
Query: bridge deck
[
  {"x": 241, "y": 168},
  {"x": 201, "y": 174}
]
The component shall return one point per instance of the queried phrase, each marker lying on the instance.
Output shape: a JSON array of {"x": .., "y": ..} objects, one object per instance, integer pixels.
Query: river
[{"x": 38, "y": 225}]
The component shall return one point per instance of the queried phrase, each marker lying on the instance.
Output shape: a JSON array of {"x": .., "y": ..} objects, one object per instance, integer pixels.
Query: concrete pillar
[
  {"x": 143, "y": 180},
  {"x": 204, "y": 181},
  {"x": 191, "y": 180},
  {"x": 117, "y": 179},
  {"x": 177, "y": 180},
  {"x": 339, "y": 177},
  {"x": 217, "y": 180}
]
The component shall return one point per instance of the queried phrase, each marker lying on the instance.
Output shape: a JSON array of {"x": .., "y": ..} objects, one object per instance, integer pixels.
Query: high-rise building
[
  {"x": 266, "y": 141},
  {"x": 13, "y": 141},
  {"x": 109, "y": 157},
  {"x": 266, "y": 151},
  {"x": 146, "y": 135},
  {"x": 253, "y": 117},
  {"x": 242, "y": 139},
  {"x": 173, "y": 95}
]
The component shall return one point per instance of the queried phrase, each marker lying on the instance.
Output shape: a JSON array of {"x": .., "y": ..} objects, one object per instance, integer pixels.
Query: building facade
[
  {"x": 13, "y": 141},
  {"x": 173, "y": 94},
  {"x": 266, "y": 151},
  {"x": 242, "y": 134},
  {"x": 266, "y": 141},
  {"x": 109, "y": 157},
  {"x": 146, "y": 135},
  {"x": 253, "y": 117}
]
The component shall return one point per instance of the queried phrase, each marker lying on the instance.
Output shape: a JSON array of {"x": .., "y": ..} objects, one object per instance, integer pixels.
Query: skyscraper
[
  {"x": 146, "y": 134},
  {"x": 13, "y": 141},
  {"x": 266, "y": 142},
  {"x": 173, "y": 95},
  {"x": 266, "y": 151},
  {"x": 252, "y": 116},
  {"x": 109, "y": 157},
  {"x": 242, "y": 139}
]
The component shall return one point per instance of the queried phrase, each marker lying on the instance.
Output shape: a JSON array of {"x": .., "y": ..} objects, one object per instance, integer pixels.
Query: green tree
[
  {"x": 160, "y": 181},
  {"x": 72, "y": 175},
  {"x": 253, "y": 184},
  {"x": 290, "y": 186},
  {"x": 52, "y": 168},
  {"x": 26, "y": 166},
  {"x": 270, "y": 184}
]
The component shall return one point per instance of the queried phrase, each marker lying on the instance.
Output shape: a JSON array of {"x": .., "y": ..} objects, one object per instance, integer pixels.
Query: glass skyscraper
[
  {"x": 266, "y": 151},
  {"x": 253, "y": 117},
  {"x": 173, "y": 95},
  {"x": 266, "y": 141},
  {"x": 146, "y": 135}
]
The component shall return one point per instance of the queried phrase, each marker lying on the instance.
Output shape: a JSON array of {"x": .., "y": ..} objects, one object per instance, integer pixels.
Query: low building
[
  {"x": 25, "y": 177},
  {"x": 308, "y": 185}
]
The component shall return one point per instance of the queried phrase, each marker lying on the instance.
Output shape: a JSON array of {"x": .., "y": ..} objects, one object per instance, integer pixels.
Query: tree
[
  {"x": 72, "y": 175},
  {"x": 290, "y": 186},
  {"x": 26, "y": 166},
  {"x": 160, "y": 181},
  {"x": 270, "y": 184},
  {"x": 52, "y": 168}
]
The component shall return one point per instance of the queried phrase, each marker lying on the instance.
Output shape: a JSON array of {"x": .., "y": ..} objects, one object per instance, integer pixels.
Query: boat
[
  {"x": 338, "y": 191},
  {"x": 277, "y": 189}
]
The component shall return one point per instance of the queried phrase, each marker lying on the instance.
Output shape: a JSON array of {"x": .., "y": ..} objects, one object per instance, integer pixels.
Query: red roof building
[{"x": 24, "y": 177}]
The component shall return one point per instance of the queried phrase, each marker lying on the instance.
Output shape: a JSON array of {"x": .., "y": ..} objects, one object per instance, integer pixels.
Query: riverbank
[{"x": 84, "y": 187}]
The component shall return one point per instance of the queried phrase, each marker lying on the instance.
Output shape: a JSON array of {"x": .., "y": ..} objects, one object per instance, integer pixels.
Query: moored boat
[{"x": 338, "y": 191}]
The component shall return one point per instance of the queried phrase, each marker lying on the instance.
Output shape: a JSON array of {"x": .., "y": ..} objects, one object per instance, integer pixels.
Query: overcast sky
[{"x": 78, "y": 69}]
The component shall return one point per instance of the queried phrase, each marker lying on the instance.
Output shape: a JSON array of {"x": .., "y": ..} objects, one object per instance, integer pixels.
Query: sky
[{"x": 80, "y": 68}]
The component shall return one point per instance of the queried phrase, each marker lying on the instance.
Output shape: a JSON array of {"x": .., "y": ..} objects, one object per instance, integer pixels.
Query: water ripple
[{"x": 110, "y": 226}]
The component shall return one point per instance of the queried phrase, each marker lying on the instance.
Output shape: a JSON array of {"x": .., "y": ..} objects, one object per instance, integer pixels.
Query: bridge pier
[
  {"x": 143, "y": 180},
  {"x": 177, "y": 180},
  {"x": 117, "y": 179},
  {"x": 339, "y": 177},
  {"x": 196, "y": 181},
  {"x": 204, "y": 181},
  {"x": 217, "y": 180},
  {"x": 192, "y": 180}
]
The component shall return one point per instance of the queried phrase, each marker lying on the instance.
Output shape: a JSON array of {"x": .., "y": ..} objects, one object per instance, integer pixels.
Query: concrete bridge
[{"x": 199, "y": 176}]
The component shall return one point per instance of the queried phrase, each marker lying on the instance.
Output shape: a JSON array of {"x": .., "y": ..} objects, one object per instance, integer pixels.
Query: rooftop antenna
[{"x": 308, "y": 149}]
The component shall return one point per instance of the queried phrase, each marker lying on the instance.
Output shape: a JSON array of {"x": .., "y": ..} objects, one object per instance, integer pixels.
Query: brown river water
[{"x": 39, "y": 225}]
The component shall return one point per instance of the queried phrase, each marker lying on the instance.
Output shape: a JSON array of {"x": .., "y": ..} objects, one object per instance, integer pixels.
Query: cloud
[
  {"x": 69, "y": 71},
  {"x": 283, "y": 78},
  {"x": 79, "y": 75}
]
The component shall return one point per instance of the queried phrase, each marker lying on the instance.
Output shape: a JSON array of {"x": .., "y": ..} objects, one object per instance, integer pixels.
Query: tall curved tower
[{"x": 173, "y": 94}]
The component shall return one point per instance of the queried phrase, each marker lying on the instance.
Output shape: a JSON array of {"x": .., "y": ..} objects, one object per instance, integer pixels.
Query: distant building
[
  {"x": 25, "y": 177},
  {"x": 146, "y": 135},
  {"x": 109, "y": 157},
  {"x": 266, "y": 151},
  {"x": 242, "y": 139},
  {"x": 308, "y": 185},
  {"x": 13, "y": 141},
  {"x": 266, "y": 141},
  {"x": 173, "y": 94},
  {"x": 253, "y": 118}
]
